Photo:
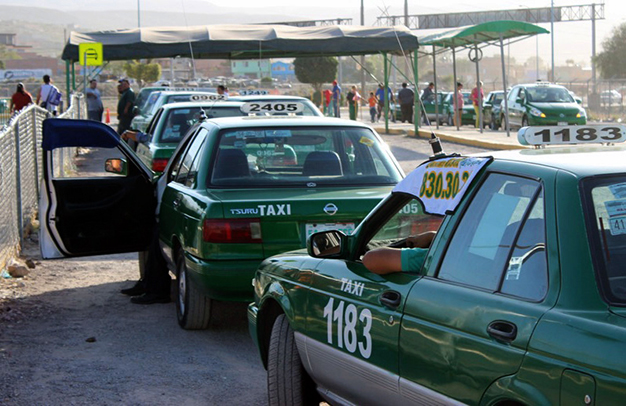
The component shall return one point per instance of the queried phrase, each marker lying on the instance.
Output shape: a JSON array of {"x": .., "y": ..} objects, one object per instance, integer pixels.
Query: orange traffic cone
[{"x": 107, "y": 116}]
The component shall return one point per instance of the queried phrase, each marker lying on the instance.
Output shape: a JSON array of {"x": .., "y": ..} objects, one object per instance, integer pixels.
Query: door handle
[
  {"x": 390, "y": 299},
  {"x": 176, "y": 202},
  {"x": 502, "y": 330}
]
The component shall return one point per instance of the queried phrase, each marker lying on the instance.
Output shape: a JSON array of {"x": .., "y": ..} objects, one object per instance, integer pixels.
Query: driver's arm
[{"x": 389, "y": 260}]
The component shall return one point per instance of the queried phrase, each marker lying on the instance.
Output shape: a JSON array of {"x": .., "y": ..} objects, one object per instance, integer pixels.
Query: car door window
[
  {"x": 184, "y": 169},
  {"x": 481, "y": 245}
]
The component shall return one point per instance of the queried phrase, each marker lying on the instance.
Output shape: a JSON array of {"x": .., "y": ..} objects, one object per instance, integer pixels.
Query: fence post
[
  {"x": 18, "y": 184},
  {"x": 35, "y": 154}
]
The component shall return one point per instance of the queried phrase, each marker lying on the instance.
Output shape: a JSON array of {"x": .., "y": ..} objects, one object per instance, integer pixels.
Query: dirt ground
[{"x": 68, "y": 337}]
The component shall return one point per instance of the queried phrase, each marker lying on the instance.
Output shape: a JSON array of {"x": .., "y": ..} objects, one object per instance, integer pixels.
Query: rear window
[
  {"x": 301, "y": 156},
  {"x": 178, "y": 121},
  {"x": 606, "y": 224}
]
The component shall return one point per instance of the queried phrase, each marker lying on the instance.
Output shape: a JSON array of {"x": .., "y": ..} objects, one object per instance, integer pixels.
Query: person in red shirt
[
  {"x": 327, "y": 95},
  {"x": 20, "y": 99},
  {"x": 475, "y": 100}
]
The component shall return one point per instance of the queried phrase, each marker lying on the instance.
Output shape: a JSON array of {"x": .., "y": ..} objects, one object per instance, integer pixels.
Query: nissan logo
[{"x": 330, "y": 209}]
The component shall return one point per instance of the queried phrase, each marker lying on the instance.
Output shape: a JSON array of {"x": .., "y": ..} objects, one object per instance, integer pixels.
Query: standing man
[
  {"x": 406, "y": 97},
  {"x": 94, "y": 101},
  {"x": 382, "y": 97},
  {"x": 458, "y": 105},
  {"x": 45, "y": 93},
  {"x": 353, "y": 98},
  {"x": 124, "y": 105},
  {"x": 336, "y": 99},
  {"x": 477, "y": 101},
  {"x": 429, "y": 93}
]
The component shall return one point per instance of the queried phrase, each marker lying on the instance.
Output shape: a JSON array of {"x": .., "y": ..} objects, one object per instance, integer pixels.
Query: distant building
[
  {"x": 252, "y": 68},
  {"x": 7, "y": 39},
  {"x": 283, "y": 71}
]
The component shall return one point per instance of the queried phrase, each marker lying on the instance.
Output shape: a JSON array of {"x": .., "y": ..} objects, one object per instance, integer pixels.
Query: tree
[
  {"x": 316, "y": 71},
  {"x": 143, "y": 72},
  {"x": 610, "y": 61},
  {"x": 6, "y": 54}
]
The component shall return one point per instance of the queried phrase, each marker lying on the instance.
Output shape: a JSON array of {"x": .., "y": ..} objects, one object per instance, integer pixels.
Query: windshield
[
  {"x": 178, "y": 121},
  {"x": 301, "y": 156},
  {"x": 606, "y": 224},
  {"x": 549, "y": 95}
]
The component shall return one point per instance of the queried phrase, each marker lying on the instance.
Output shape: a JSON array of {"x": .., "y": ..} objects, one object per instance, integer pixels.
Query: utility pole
[
  {"x": 552, "y": 36},
  {"x": 138, "y": 15},
  {"x": 363, "y": 90}
]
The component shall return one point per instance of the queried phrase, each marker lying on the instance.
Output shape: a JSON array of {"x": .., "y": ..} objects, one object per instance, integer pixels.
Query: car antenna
[
  {"x": 203, "y": 116},
  {"x": 435, "y": 144}
]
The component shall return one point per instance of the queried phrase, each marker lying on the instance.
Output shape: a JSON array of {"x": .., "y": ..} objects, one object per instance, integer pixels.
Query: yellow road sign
[{"x": 90, "y": 53}]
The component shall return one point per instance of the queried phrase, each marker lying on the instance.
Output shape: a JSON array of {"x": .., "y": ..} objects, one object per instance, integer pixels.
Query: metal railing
[{"x": 21, "y": 172}]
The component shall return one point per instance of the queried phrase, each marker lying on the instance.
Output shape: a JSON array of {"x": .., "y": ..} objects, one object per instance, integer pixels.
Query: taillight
[
  {"x": 232, "y": 231},
  {"x": 159, "y": 164}
]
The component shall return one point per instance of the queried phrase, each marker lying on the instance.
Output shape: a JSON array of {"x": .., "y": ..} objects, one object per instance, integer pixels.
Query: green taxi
[
  {"x": 541, "y": 104},
  {"x": 159, "y": 98},
  {"x": 170, "y": 124},
  {"x": 520, "y": 299},
  {"x": 235, "y": 191},
  {"x": 467, "y": 117}
]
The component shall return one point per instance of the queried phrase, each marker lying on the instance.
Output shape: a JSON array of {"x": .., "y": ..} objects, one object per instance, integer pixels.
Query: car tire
[
  {"x": 287, "y": 381},
  {"x": 193, "y": 309},
  {"x": 450, "y": 121},
  {"x": 524, "y": 121}
]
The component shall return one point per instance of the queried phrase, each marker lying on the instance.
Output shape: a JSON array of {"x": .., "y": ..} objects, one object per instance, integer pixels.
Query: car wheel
[
  {"x": 450, "y": 121},
  {"x": 193, "y": 309},
  {"x": 287, "y": 381},
  {"x": 524, "y": 121}
]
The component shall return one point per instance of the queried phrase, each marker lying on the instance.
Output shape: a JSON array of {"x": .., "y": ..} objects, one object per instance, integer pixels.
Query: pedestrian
[
  {"x": 477, "y": 96},
  {"x": 125, "y": 108},
  {"x": 353, "y": 98},
  {"x": 327, "y": 97},
  {"x": 372, "y": 102},
  {"x": 382, "y": 97},
  {"x": 428, "y": 95},
  {"x": 94, "y": 101},
  {"x": 336, "y": 99},
  {"x": 20, "y": 99},
  {"x": 458, "y": 105},
  {"x": 47, "y": 95},
  {"x": 406, "y": 97},
  {"x": 222, "y": 90}
]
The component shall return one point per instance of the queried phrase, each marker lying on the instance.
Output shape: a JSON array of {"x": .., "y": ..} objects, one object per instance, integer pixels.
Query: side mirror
[
  {"x": 116, "y": 165},
  {"x": 519, "y": 100},
  {"x": 325, "y": 244},
  {"x": 578, "y": 100},
  {"x": 136, "y": 110}
]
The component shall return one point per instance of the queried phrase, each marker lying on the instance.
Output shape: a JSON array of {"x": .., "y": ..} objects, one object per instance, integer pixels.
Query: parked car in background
[
  {"x": 609, "y": 97},
  {"x": 468, "y": 116},
  {"x": 161, "y": 97},
  {"x": 540, "y": 104},
  {"x": 491, "y": 109},
  {"x": 171, "y": 123}
]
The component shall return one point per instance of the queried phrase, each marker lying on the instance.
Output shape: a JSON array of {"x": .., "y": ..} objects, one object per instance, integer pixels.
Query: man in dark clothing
[
  {"x": 125, "y": 105},
  {"x": 428, "y": 95},
  {"x": 406, "y": 97}
]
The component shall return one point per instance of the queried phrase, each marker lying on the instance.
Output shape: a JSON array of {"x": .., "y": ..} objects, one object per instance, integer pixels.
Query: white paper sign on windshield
[{"x": 441, "y": 184}]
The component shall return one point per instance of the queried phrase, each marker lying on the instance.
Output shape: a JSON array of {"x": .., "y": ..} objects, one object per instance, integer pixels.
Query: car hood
[{"x": 556, "y": 107}]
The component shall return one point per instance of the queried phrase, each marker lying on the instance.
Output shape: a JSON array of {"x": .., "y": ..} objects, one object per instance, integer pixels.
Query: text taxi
[
  {"x": 235, "y": 191},
  {"x": 520, "y": 299}
]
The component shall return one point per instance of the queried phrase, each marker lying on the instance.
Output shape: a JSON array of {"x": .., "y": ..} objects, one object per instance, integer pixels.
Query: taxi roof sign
[
  {"x": 90, "y": 54},
  {"x": 272, "y": 107},
  {"x": 572, "y": 134}
]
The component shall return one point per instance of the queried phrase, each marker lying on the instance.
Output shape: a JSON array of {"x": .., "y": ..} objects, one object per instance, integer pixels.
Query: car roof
[
  {"x": 206, "y": 104},
  {"x": 283, "y": 121},
  {"x": 184, "y": 92},
  {"x": 580, "y": 160}
]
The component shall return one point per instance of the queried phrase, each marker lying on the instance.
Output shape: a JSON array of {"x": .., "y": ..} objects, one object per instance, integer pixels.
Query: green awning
[{"x": 481, "y": 33}]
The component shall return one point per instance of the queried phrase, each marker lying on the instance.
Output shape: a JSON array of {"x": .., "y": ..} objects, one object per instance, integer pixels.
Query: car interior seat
[
  {"x": 322, "y": 163},
  {"x": 231, "y": 163}
]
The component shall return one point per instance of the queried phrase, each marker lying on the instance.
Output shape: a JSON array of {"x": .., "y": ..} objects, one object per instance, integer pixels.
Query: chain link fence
[{"x": 21, "y": 172}]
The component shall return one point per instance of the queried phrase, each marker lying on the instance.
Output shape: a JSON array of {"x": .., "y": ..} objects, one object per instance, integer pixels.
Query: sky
[{"x": 572, "y": 39}]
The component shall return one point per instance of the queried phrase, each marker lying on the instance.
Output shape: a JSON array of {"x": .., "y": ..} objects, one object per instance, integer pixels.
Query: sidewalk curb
[{"x": 453, "y": 138}]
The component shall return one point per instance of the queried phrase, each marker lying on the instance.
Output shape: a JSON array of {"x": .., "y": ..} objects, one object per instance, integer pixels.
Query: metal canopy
[
  {"x": 243, "y": 42},
  {"x": 480, "y": 33}
]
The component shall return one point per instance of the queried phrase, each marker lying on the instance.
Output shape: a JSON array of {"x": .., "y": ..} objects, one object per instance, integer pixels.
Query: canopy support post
[
  {"x": 385, "y": 93},
  {"x": 73, "y": 76},
  {"x": 435, "y": 82},
  {"x": 455, "y": 90},
  {"x": 416, "y": 104},
  {"x": 506, "y": 96},
  {"x": 478, "y": 88},
  {"x": 67, "y": 84}
]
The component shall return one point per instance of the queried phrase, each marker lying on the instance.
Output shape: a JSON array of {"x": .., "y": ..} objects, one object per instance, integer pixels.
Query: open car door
[{"x": 93, "y": 211}]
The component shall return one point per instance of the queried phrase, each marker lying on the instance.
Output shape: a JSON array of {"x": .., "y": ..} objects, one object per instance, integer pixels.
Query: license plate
[
  {"x": 311, "y": 228},
  {"x": 561, "y": 123}
]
